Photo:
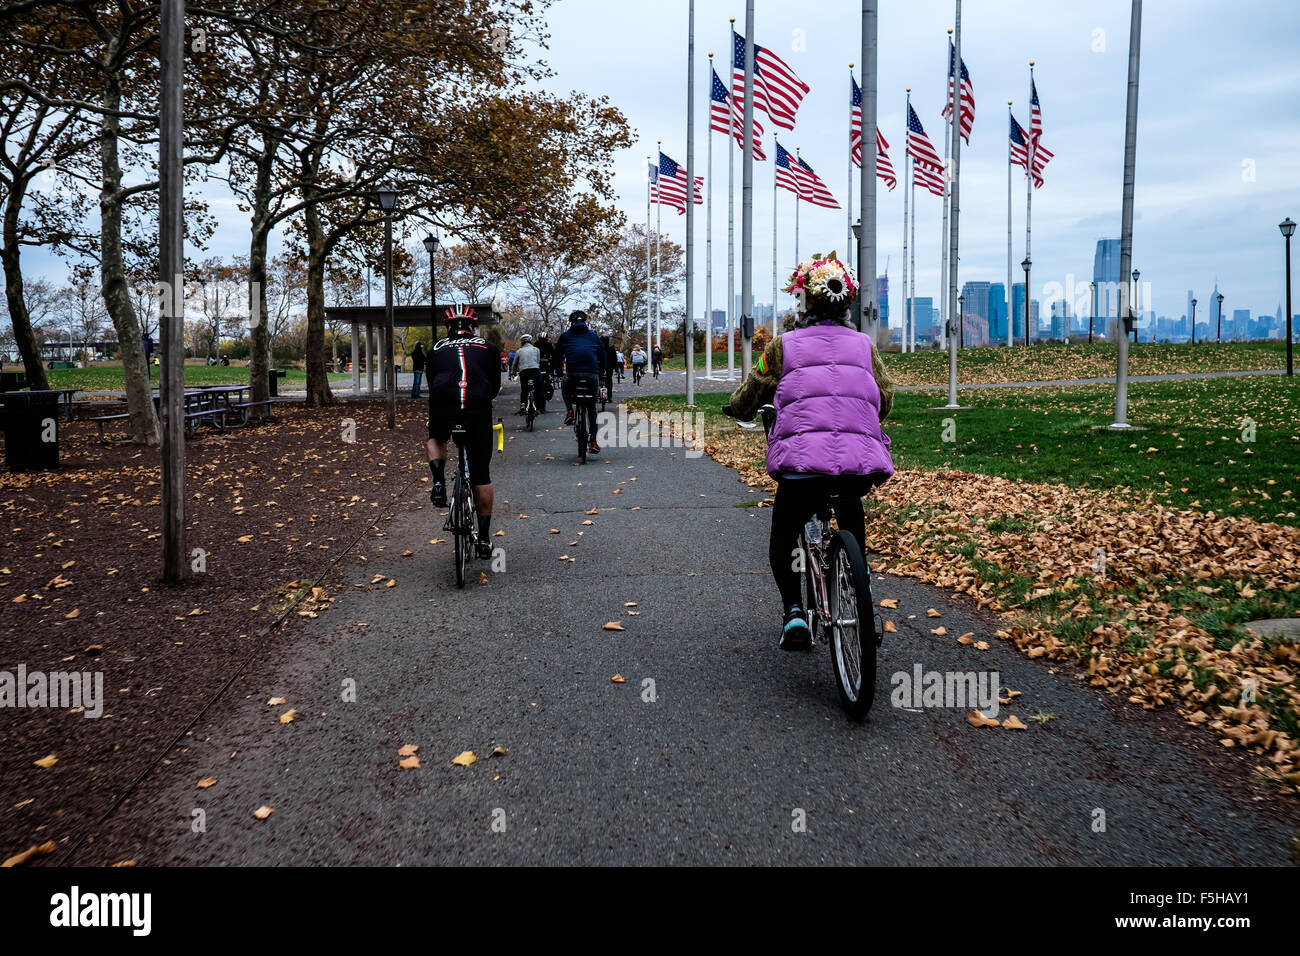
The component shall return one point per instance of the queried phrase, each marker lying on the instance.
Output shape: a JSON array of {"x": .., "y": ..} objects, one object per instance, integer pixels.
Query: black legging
[{"x": 796, "y": 502}]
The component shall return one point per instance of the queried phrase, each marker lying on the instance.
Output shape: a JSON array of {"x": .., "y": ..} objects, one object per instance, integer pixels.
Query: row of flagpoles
[{"x": 778, "y": 92}]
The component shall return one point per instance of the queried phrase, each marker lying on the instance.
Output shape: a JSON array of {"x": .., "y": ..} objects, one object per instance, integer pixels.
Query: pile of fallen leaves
[{"x": 1142, "y": 646}]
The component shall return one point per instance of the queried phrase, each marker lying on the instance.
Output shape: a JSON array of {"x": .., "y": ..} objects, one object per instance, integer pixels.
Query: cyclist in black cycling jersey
[{"x": 464, "y": 373}]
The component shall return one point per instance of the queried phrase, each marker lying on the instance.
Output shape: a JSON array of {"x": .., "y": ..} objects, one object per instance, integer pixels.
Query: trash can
[
  {"x": 274, "y": 375},
  {"x": 31, "y": 426}
]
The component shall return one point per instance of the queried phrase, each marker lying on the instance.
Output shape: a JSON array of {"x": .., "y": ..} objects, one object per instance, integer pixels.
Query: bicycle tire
[
  {"x": 580, "y": 429},
  {"x": 461, "y": 534},
  {"x": 810, "y": 592},
  {"x": 852, "y": 649}
]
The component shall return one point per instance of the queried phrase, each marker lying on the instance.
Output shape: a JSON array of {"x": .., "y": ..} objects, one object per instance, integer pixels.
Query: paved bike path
[{"x": 737, "y": 746}]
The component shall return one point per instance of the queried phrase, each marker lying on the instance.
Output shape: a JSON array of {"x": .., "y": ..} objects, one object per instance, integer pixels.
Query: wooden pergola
[{"x": 371, "y": 319}]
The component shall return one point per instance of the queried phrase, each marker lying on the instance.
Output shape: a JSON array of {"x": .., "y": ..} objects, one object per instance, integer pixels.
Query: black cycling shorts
[{"x": 478, "y": 439}]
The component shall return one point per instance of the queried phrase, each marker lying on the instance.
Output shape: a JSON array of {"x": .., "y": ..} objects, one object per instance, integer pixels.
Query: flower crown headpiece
[{"x": 825, "y": 278}]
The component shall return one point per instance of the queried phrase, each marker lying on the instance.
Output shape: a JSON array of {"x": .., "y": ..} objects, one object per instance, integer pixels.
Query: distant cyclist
[
  {"x": 638, "y": 364},
  {"x": 831, "y": 393},
  {"x": 619, "y": 364},
  {"x": 582, "y": 357},
  {"x": 528, "y": 367},
  {"x": 657, "y": 360},
  {"x": 611, "y": 356},
  {"x": 464, "y": 373}
]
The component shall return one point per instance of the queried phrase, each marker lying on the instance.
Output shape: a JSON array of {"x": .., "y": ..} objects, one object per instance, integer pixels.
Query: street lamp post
[
  {"x": 1092, "y": 316},
  {"x": 961, "y": 319},
  {"x": 1025, "y": 265},
  {"x": 1136, "y": 307},
  {"x": 1218, "y": 325},
  {"x": 387, "y": 202},
  {"x": 857, "y": 303},
  {"x": 1193, "y": 321},
  {"x": 431, "y": 244},
  {"x": 1288, "y": 228}
]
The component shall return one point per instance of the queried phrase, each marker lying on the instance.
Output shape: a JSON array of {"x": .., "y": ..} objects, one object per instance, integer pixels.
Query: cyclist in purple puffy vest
[{"x": 831, "y": 393}]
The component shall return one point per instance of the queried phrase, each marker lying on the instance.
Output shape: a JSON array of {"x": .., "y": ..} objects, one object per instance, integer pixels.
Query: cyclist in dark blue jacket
[{"x": 583, "y": 357}]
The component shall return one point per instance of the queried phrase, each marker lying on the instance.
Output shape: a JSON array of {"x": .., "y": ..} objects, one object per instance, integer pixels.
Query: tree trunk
[
  {"x": 260, "y": 344},
  {"x": 117, "y": 299},
  {"x": 10, "y": 253},
  {"x": 318, "y": 383}
]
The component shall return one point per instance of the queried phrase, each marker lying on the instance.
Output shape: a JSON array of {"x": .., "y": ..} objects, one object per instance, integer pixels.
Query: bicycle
[
  {"x": 530, "y": 405},
  {"x": 462, "y": 519},
  {"x": 837, "y": 585},
  {"x": 584, "y": 396}
]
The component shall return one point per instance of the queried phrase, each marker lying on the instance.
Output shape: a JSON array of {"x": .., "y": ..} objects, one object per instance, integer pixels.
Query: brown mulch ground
[{"x": 272, "y": 506}]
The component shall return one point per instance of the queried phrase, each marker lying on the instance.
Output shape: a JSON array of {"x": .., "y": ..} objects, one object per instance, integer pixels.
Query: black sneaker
[
  {"x": 485, "y": 550},
  {"x": 438, "y": 494},
  {"x": 796, "y": 636}
]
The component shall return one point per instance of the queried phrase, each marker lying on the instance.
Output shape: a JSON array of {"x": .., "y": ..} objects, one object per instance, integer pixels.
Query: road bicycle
[
  {"x": 837, "y": 585},
  {"x": 584, "y": 398},
  {"x": 462, "y": 519},
  {"x": 530, "y": 404}
]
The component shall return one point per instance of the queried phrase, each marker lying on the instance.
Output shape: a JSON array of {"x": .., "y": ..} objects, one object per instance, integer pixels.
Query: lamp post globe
[
  {"x": 431, "y": 244},
  {"x": 1218, "y": 325}
]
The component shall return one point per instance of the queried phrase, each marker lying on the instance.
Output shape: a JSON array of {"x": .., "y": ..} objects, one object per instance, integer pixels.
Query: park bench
[
  {"x": 218, "y": 416},
  {"x": 244, "y": 407},
  {"x": 100, "y": 420}
]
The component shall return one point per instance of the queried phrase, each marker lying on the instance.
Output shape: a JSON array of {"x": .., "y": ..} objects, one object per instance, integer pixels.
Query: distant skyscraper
[
  {"x": 997, "y": 314},
  {"x": 1240, "y": 324},
  {"x": 977, "y": 304},
  {"x": 882, "y": 297},
  {"x": 1060, "y": 312},
  {"x": 1018, "y": 310},
  {"x": 924, "y": 316},
  {"x": 1105, "y": 272}
]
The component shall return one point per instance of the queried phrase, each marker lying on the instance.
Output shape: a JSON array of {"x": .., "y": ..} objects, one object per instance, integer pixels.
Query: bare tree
[{"x": 79, "y": 311}]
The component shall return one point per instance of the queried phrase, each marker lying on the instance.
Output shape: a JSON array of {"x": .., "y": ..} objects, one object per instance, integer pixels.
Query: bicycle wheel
[
  {"x": 852, "y": 637},
  {"x": 461, "y": 530},
  {"x": 811, "y": 605},
  {"x": 580, "y": 429}
]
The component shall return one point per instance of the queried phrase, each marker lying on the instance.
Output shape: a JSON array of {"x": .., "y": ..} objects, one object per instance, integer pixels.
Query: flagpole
[
  {"x": 774, "y": 234},
  {"x": 731, "y": 218},
  {"x": 955, "y": 212},
  {"x": 708, "y": 242},
  {"x": 1029, "y": 207},
  {"x": 944, "y": 315},
  {"x": 647, "y": 259},
  {"x": 659, "y": 257},
  {"x": 747, "y": 200},
  {"x": 911, "y": 298},
  {"x": 1011, "y": 341},
  {"x": 1125, "y": 310},
  {"x": 848, "y": 206},
  {"x": 906, "y": 313},
  {"x": 690, "y": 207}
]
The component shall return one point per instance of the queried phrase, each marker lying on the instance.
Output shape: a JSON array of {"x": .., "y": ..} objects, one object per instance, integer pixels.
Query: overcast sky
[{"x": 1218, "y": 150}]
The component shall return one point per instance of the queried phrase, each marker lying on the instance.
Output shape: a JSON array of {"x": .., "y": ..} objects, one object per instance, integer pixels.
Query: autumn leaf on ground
[
  {"x": 588, "y": 522},
  {"x": 592, "y": 511},
  {"x": 409, "y": 763},
  {"x": 263, "y": 812},
  {"x": 482, "y": 577},
  {"x": 407, "y": 554},
  {"x": 940, "y": 631},
  {"x": 71, "y": 614},
  {"x": 244, "y": 539},
  {"x": 45, "y": 763},
  {"x": 931, "y": 612},
  {"x": 499, "y": 533},
  {"x": 94, "y": 649},
  {"x": 1013, "y": 723},
  {"x": 977, "y": 719},
  {"x": 275, "y": 702},
  {"x": 206, "y": 782},
  {"x": 391, "y": 583},
  {"x": 408, "y": 750},
  {"x": 613, "y": 626},
  {"x": 20, "y": 858},
  {"x": 891, "y": 603},
  {"x": 618, "y": 491},
  {"x": 981, "y": 645},
  {"x": 618, "y": 679},
  {"x": 629, "y": 603},
  {"x": 287, "y": 716},
  {"x": 889, "y": 627},
  {"x": 555, "y": 531},
  {"x": 499, "y": 751},
  {"x": 465, "y": 758}
]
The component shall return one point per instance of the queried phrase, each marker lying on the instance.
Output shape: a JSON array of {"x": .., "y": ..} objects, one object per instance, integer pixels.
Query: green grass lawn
[
  {"x": 109, "y": 378},
  {"x": 1056, "y": 362},
  {"x": 1191, "y": 452}
]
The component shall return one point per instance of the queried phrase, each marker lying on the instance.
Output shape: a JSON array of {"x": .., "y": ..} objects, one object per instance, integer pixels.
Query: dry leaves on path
[{"x": 465, "y": 758}]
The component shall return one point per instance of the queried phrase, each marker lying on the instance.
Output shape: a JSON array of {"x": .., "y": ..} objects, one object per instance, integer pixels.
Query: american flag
[
  {"x": 1020, "y": 152},
  {"x": 1035, "y": 112},
  {"x": 928, "y": 177},
  {"x": 812, "y": 189},
  {"x": 777, "y": 88},
  {"x": 884, "y": 168},
  {"x": 919, "y": 146},
  {"x": 785, "y": 177},
  {"x": 668, "y": 185},
  {"x": 967, "y": 96},
  {"x": 720, "y": 122}
]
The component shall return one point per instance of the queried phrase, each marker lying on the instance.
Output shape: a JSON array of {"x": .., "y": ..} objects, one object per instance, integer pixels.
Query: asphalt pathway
[{"x": 718, "y": 748}]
